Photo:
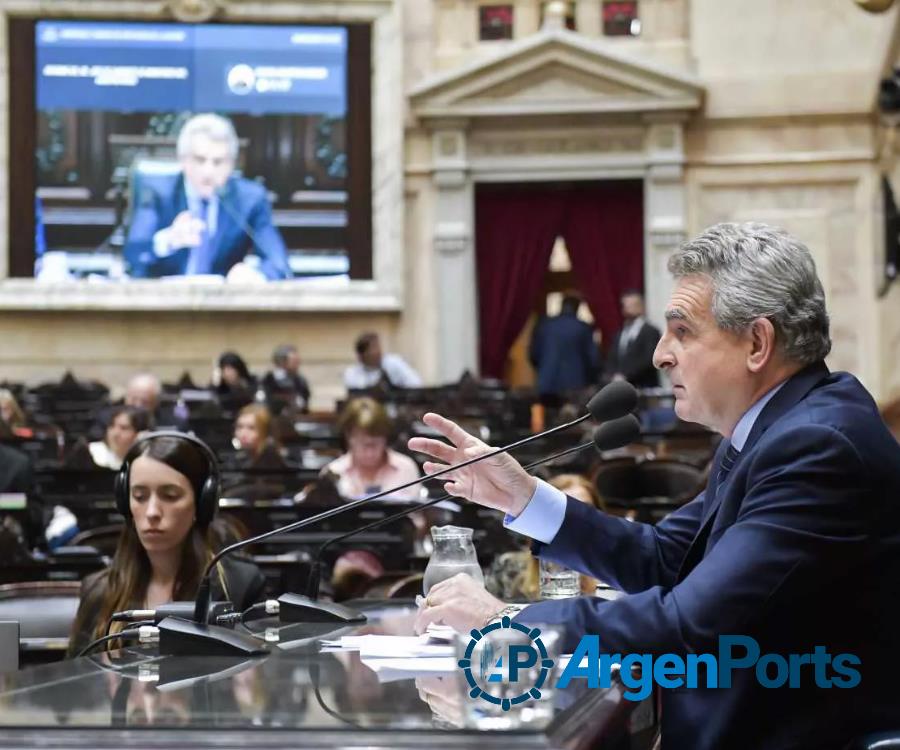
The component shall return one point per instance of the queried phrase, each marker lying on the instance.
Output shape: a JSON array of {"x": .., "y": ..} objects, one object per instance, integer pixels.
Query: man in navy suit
[
  {"x": 563, "y": 352},
  {"x": 204, "y": 220},
  {"x": 795, "y": 542}
]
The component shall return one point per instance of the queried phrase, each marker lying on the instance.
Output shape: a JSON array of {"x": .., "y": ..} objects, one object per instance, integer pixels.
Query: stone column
[
  {"x": 454, "y": 250},
  {"x": 665, "y": 218}
]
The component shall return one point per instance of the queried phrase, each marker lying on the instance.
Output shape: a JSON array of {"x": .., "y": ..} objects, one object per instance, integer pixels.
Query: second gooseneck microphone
[
  {"x": 608, "y": 436},
  {"x": 611, "y": 402}
]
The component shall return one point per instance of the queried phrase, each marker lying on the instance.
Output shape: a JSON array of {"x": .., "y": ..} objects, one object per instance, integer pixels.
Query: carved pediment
[{"x": 555, "y": 72}]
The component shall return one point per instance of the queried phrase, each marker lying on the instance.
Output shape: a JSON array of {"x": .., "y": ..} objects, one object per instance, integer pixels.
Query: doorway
[{"x": 535, "y": 241}]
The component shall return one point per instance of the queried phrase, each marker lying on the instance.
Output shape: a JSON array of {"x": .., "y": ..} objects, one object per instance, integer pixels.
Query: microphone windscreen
[
  {"x": 613, "y": 401},
  {"x": 616, "y": 433}
]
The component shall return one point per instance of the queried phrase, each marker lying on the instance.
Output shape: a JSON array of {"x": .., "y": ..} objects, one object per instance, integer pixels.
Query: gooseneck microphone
[
  {"x": 181, "y": 636},
  {"x": 611, "y": 402},
  {"x": 608, "y": 436}
]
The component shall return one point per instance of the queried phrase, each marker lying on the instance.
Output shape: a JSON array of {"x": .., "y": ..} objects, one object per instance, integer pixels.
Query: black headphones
[{"x": 207, "y": 500}]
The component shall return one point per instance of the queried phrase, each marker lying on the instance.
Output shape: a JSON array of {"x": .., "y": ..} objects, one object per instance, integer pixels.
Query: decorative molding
[
  {"x": 195, "y": 11},
  {"x": 555, "y": 72},
  {"x": 528, "y": 145},
  {"x": 452, "y": 238},
  {"x": 666, "y": 240},
  {"x": 334, "y": 295},
  {"x": 875, "y": 6}
]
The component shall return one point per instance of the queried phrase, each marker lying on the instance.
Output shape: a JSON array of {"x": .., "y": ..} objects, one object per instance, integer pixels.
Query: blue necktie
[
  {"x": 731, "y": 454},
  {"x": 201, "y": 259}
]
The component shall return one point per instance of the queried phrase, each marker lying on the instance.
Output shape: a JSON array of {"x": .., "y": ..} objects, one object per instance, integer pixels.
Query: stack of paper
[
  {"x": 389, "y": 646},
  {"x": 396, "y": 657}
]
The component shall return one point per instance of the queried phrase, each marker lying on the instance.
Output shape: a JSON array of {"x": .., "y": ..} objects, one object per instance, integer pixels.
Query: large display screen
[{"x": 171, "y": 150}]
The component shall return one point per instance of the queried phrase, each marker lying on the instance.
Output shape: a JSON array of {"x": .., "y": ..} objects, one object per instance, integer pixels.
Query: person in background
[
  {"x": 15, "y": 470},
  {"x": 516, "y": 575},
  {"x": 369, "y": 465},
  {"x": 352, "y": 572},
  {"x": 165, "y": 543},
  {"x": 630, "y": 356},
  {"x": 375, "y": 368},
  {"x": 13, "y": 415},
  {"x": 143, "y": 391},
  {"x": 891, "y": 416},
  {"x": 563, "y": 353},
  {"x": 284, "y": 386},
  {"x": 205, "y": 219},
  {"x": 122, "y": 430},
  {"x": 252, "y": 429},
  {"x": 233, "y": 381}
]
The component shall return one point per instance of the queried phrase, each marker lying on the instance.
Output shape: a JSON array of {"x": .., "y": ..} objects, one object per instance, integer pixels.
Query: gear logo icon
[{"x": 510, "y": 656}]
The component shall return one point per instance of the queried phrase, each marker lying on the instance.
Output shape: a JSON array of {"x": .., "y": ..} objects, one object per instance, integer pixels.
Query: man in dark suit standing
[
  {"x": 204, "y": 220},
  {"x": 563, "y": 352},
  {"x": 795, "y": 542},
  {"x": 630, "y": 356}
]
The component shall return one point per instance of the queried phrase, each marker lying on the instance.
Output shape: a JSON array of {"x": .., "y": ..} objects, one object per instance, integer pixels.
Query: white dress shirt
[{"x": 401, "y": 375}]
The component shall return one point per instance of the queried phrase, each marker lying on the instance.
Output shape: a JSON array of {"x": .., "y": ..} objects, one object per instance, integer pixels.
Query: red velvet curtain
[
  {"x": 514, "y": 235},
  {"x": 515, "y": 228},
  {"x": 604, "y": 233}
]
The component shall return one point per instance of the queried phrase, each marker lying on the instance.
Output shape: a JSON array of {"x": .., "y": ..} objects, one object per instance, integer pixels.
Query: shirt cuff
[
  {"x": 543, "y": 516},
  {"x": 161, "y": 243}
]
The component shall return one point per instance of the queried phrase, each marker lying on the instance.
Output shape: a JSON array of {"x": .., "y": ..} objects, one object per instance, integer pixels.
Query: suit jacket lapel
[{"x": 794, "y": 390}]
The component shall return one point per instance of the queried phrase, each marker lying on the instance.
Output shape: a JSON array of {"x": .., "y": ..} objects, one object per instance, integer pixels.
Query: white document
[
  {"x": 391, "y": 670},
  {"x": 387, "y": 646}
]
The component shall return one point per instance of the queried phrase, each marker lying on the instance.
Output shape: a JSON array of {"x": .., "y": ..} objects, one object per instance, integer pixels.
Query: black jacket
[
  {"x": 279, "y": 384},
  {"x": 15, "y": 470},
  {"x": 637, "y": 362},
  {"x": 244, "y": 584}
]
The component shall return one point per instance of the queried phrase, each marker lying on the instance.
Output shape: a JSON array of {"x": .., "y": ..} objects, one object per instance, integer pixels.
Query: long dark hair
[
  {"x": 128, "y": 576},
  {"x": 233, "y": 359}
]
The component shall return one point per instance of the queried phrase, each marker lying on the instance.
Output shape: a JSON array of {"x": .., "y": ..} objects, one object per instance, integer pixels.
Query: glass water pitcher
[{"x": 453, "y": 553}]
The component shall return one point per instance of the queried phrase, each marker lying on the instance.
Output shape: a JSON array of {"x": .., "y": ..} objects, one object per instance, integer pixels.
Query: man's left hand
[{"x": 460, "y": 602}]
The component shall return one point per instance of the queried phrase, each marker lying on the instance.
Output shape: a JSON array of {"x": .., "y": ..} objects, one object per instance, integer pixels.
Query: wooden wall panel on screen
[
  {"x": 22, "y": 118},
  {"x": 359, "y": 150}
]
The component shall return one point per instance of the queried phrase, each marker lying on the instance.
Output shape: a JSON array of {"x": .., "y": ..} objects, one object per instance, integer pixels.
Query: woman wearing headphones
[{"x": 167, "y": 489}]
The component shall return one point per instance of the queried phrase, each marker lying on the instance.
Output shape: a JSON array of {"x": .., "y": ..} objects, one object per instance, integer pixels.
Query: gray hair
[
  {"x": 281, "y": 354},
  {"x": 758, "y": 271},
  {"x": 214, "y": 127}
]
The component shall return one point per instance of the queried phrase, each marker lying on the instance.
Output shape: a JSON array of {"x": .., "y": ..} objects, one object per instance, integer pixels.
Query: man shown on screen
[{"x": 205, "y": 219}]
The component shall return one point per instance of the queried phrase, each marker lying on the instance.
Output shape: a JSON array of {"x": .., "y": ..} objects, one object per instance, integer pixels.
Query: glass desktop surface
[{"x": 296, "y": 696}]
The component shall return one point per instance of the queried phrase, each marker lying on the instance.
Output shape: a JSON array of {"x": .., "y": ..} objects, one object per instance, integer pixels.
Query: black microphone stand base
[
  {"x": 299, "y": 608},
  {"x": 179, "y": 637}
]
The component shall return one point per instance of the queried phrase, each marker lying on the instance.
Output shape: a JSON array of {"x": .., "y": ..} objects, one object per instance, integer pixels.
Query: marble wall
[{"x": 786, "y": 132}]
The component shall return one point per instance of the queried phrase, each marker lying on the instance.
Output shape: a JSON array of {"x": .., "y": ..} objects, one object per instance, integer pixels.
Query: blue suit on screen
[
  {"x": 244, "y": 226},
  {"x": 798, "y": 547}
]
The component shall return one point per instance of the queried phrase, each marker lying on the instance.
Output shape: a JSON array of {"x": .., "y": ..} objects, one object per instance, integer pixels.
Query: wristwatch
[{"x": 510, "y": 610}]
